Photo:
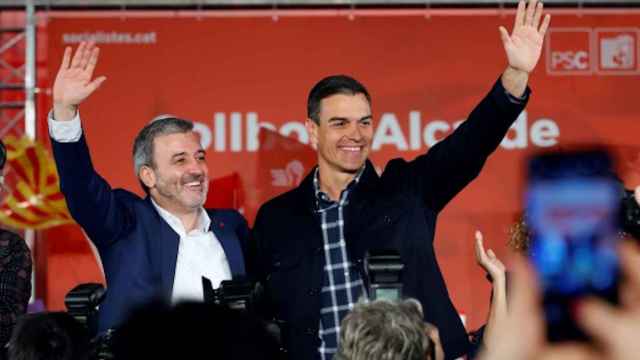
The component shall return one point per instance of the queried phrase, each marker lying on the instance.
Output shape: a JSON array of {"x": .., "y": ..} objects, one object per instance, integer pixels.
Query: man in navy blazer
[{"x": 156, "y": 248}]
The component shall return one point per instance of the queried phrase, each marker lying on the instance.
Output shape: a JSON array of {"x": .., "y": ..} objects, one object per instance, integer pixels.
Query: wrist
[
  {"x": 64, "y": 112},
  {"x": 498, "y": 282},
  {"x": 515, "y": 81},
  {"x": 516, "y": 71}
]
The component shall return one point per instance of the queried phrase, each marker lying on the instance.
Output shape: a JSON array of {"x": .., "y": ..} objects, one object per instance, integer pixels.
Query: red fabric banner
[{"x": 244, "y": 79}]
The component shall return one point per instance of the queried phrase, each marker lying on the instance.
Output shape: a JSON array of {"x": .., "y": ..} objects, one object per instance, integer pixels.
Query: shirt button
[
  {"x": 312, "y": 292},
  {"x": 319, "y": 250},
  {"x": 309, "y": 331}
]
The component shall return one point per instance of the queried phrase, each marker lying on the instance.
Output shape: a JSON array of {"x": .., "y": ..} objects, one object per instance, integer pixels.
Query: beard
[{"x": 177, "y": 192}]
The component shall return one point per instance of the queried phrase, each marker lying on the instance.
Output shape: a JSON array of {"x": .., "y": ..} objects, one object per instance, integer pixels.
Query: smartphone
[{"x": 572, "y": 208}]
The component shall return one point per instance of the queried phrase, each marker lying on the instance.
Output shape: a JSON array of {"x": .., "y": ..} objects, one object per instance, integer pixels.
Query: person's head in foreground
[
  {"x": 193, "y": 331},
  {"x": 50, "y": 336},
  {"x": 387, "y": 330}
]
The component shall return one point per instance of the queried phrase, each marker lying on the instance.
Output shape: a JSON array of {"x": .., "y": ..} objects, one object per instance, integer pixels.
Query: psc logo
[
  {"x": 569, "y": 51},
  {"x": 570, "y": 60}
]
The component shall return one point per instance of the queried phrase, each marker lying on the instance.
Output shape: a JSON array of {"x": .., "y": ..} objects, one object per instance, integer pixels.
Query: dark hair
[
  {"x": 51, "y": 336},
  {"x": 143, "y": 144},
  {"x": 520, "y": 236},
  {"x": 331, "y": 85}
]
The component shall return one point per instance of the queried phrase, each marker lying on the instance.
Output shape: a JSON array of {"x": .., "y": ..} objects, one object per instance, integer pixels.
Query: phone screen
[{"x": 572, "y": 208}]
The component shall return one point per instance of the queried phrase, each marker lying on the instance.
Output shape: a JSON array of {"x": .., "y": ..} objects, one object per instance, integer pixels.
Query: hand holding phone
[{"x": 573, "y": 204}]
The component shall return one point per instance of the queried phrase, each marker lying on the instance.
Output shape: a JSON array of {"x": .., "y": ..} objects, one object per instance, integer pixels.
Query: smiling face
[
  {"x": 343, "y": 133},
  {"x": 179, "y": 179}
]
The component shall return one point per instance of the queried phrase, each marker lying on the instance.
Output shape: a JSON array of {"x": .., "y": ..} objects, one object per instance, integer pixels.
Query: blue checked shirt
[{"x": 342, "y": 284}]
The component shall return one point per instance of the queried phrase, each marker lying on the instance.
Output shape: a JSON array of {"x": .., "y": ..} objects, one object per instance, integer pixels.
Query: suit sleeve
[
  {"x": 90, "y": 199},
  {"x": 437, "y": 176}
]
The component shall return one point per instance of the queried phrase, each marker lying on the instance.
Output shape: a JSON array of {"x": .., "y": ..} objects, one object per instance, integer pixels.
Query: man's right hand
[{"x": 73, "y": 83}]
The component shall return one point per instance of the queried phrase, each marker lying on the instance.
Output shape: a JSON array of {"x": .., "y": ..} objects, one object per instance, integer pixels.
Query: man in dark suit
[
  {"x": 311, "y": 241},
  {"x": 156, "y": 248}
]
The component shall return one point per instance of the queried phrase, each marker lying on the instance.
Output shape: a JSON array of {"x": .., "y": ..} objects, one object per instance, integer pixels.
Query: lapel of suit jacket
[
  {"x": 356, "y": 213},
  {"x": 230, "y": 244},
  {"x": 309, "y": 224},
  {"x": 167, "y": 242}
]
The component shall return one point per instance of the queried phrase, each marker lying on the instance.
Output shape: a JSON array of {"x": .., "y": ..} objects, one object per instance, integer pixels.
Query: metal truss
[
  {"x": 190, "y": 4},
  {"x": 17, "y": 82},
  {"x": 17, "y": 73}
]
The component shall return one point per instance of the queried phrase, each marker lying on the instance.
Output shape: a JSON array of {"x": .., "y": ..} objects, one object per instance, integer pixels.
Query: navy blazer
[
  {"x": 396, "y": 210},
  {"x": 137, "y": 247}
]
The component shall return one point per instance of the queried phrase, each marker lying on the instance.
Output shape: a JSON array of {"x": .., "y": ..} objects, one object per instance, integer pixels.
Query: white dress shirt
[
  {"x": 199, "y": 251},
  {"x": 199, "y": 254}
]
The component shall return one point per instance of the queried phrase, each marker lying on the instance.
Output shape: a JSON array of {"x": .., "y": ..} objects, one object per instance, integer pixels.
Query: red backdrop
[{"x": 231, "y": 72}]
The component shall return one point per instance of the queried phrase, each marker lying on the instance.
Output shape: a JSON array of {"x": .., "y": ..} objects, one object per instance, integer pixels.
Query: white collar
[{"x": 203, "y": 222}]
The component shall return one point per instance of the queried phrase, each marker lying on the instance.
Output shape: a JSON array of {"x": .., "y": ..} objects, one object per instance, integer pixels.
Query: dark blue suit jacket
[{"x": 137, "y": 247}]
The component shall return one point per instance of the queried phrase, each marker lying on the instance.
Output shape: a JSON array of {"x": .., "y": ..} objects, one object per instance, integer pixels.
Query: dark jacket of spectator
[{"x": 15, "y": 281}]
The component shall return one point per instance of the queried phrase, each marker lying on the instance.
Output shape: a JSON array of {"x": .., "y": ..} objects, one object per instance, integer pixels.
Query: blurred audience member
[
  {"x": 519, "y": 242},
  {"x": 193, "y": 331},
  {"x": 50, "y": 336},
  {"x": 613, "y": 329},
  {"x": 385, "y": 330},
  {"x": 15, "y": 271},
  {"x": 519, "y": 236}
]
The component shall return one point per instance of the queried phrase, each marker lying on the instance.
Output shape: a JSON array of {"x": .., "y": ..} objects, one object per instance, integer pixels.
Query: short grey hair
[
  {"x": 143, "y": 144},
  {"x": 384, "y": 330}
]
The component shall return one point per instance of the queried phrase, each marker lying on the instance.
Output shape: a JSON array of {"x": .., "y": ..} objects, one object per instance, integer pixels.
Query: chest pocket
[
  {"x": 386, "y": 218},
  {"x": 378, "y": 226}
]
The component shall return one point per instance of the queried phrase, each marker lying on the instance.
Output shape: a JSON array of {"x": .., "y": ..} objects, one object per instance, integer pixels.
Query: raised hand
[
  {"x": 524, "y": 46},
  {"x": 498, "y": 310},
  {"x": 74, "y": 82},
  {"x": 432, "y": 333},
  {"x": 520, "y": 335},
  {"x": 488, "y": 260}
]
